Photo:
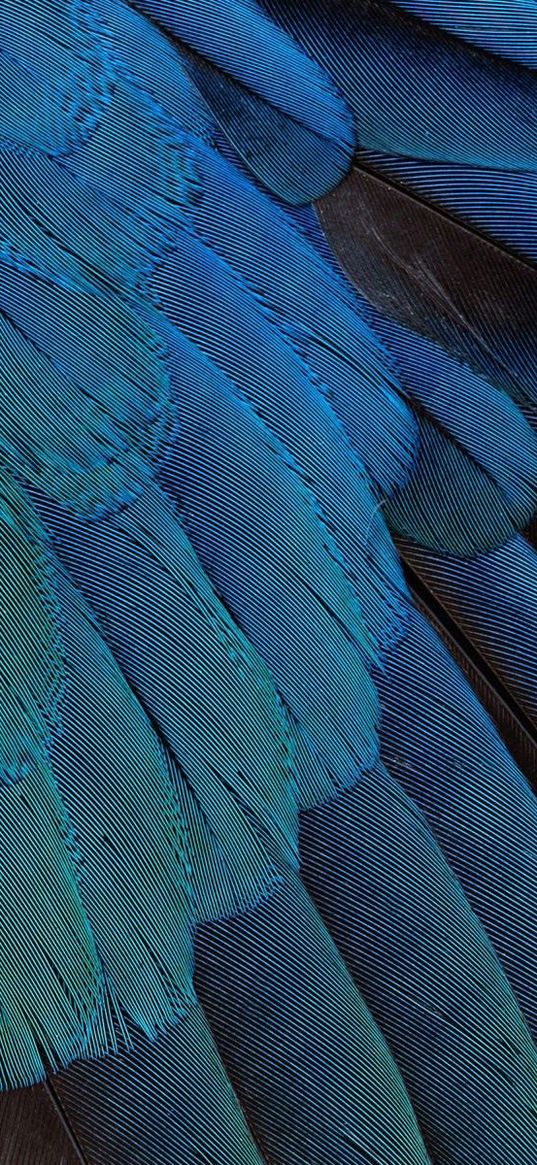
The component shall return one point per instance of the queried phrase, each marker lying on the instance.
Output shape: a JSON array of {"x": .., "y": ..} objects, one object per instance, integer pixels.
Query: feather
[
  {"x": 149, "y": 180},
  {"x": 512, "y": 725},
  {"x": 478, "y": 805},
  {"x": 399, "y": 76},
  {"x": 310, "y": 1067},
  {"x": 492, "y": 599},
  {"x": 239, "y": 489},
  {"x": 134, "y": 876},
  {"x": 509, "y": 29},
  {"x": 31, "y": 654},
  {"x": 32, "y": 1131},
  {"x": 144, "y": 56},
  {"x": 308, "y": 427},
  {"x": 427, "y": 971},
  {"x": 112, "y": 251},
  {"x": 85, "y": 396},
  {"x": 434, "y": 276},
  {"x": 208, "y": 637},
  {"x": 499, "y": 203},
  {"x": 140, "y": 574},
  {"x": 270, "y": 98},
  {"x": 50, "y": 971},
  {"x": 462, "y": 497},
  {"x": 55, "y": 73},
  {"x": 167, "y": 1100},
  {"x": 314, "y": 309},
  {"x": 52, "y": 986}
]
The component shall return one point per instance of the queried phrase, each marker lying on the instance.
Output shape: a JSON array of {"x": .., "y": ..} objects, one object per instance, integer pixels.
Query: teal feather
[
  {"x": 134, "y": 876},
  {"x": 240, "y": 765},
  {"x": 238, "y": 488},
  {"x": 170, "y": 1095},
  {"x": 31, "y": 652},
  {"x": 50, "y": 971},
  {"x": 86, "y": 420}
]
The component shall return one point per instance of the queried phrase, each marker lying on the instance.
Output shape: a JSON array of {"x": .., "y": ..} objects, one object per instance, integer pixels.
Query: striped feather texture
[
  {"x": 271, "y": 99},
  {"x": 267, "y": 862},
  {"x": 509, "y": 29}
]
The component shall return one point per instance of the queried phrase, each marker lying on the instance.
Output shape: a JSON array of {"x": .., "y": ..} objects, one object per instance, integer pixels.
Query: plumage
[
  {"x": 508, "y": 29},
  {"x": 400, "y": 77},
  {"x": 271, "y": 99},
  {"x": 268, "y": 874},
  {"x": 55, "y": 73},
  {"x": 417, "y": 952},
  {"x": 439, "y": 279},
  {"x": 497, "y": 203}
]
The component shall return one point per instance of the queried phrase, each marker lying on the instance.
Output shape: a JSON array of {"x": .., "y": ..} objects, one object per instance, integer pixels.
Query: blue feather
[
  {"x": 53, "y": 1004},
  {"x": 52, "y": 981},
  {"x": 167, "y": 1099},
  {"x": 462, "y": 497},
  {"x": 205, "y": 625},
  {"x": 143, "y": 55},
  {"x": 310, "y": 1067},
  {"x": 493, "y": 599},
  {"x": 151, "y": 179},
  {"x": 197, "y": 676},
  {"x": 507, "y": 27},
  {"x": 134, "y": 876},
  {"x": 228, "y": 325},
  {"x": 314, "y": 308},
  {"x": 55, "y": 73},
  {"x": 401, "y": 77},
  {"x": 427, "y": 971},
  {"x": 39, "y": 199},
  {"x": 441, "y": 746},
  {"x": 32, "y": 661},
  {"x": 269, "y": 97},
  {"x": 239, "y": 490},
  {"x": 85, "y": 392}
]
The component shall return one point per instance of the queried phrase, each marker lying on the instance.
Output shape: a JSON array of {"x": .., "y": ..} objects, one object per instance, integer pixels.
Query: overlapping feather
[{"x": 144, "y": 281}]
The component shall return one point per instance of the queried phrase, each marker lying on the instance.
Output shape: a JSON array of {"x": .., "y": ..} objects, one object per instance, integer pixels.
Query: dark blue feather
[
  {"x": 492, "y": 598},
  {"x": 55, "y": 73},
  {"x": 400, "y": 77},
  {"x": 264, "y": 544},
  {"x": 426, "y": 969},
  {"x": 462, "y": 496},
  {"x": 507, "y": 27},
  {"x": 167, "y": 1099},
  {"x": 443, "y": 749},
  {"x": 310, "y": 1067}
]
